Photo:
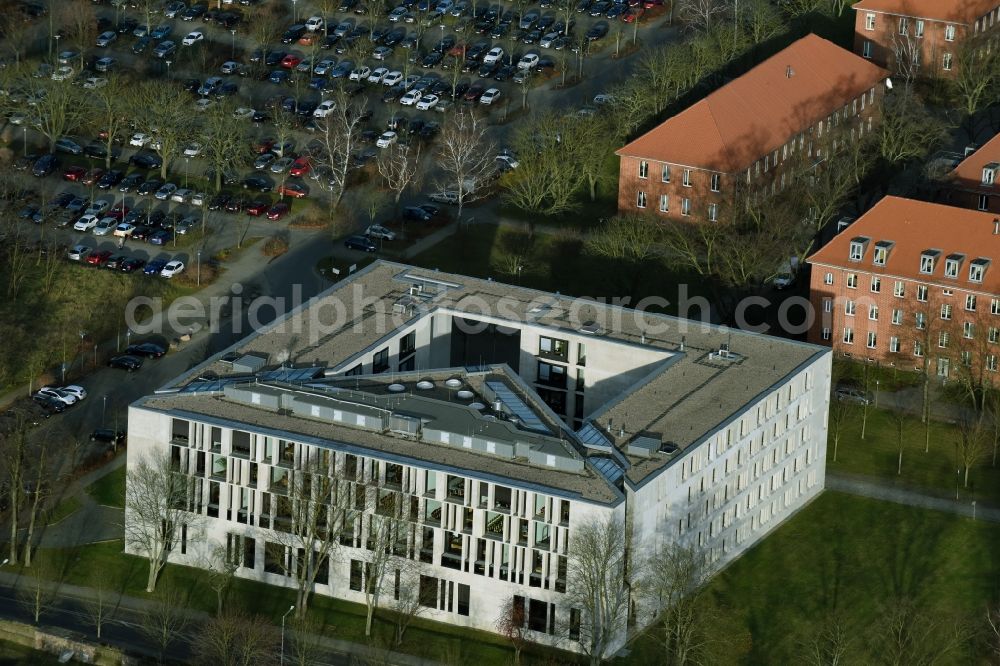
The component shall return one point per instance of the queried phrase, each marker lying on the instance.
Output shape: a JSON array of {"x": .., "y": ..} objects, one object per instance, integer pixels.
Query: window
[
  {"x": 463, "y": 599},
  {"x": 826, "y": 333},
  {"x": 827, "y": 305},
  {"x": 551, "y": 375},
  {"x": 991, "y": 362},
  {"x": 643, "y": 169},
  {"x": 897, "y": 317},
  {"x": 848, "y": 336},
  {"x": 918, "y": 349},
  {"x": 664, "y": 203},
  {"x": 921, "y": 320},
  {"x": 407, "y": 344},
  {"x": 899, "y": 289},
  {"x": 873, "y": 312},
  {"x": 951, "y": 265},
  {"x": 949, "y": 33},
  {"x": 881, "y": 254},
  {"x": 928, "y": 260},
  {"x": 716, "y": 180},
  {"x": 713, "y": 212},
  {"x": 876, "y": 284},
  {"x": 574, "y": 624},
  {"x": 380, "y": 361},
  {"x": 665, "y": 175},
  {"x": 857, "y": 250},
  {"x": 866, "y": 49},
  {"x": 984, "y": 202},
  {"x": 849, "y": 307},
  {"x": 904, "y": 24},
  {"x": 946, "y": 311},
  {"x": 970, "y": 302},
  {"x": 686, "y": 179},
  {"x": 356, "y": 574},
  {"x": 995, "y": 306},
  {"x": 918, "y": 28},
  {"x": 852, "y": 280},
  {"x": 640, "y": 200},
  {"x": 871, "y": 339},
  {"x": 977, "y": 269},
  {"x": 993, "y": 334},
  {"x": 968, "y": 330},
  {"x": 922, "y": 293},
  {"x": 553, "y": 348},
  {"x": 894, "y": 344},
  {"x": 685, "y": 206},
  {"x": 990, "y": 173},
  {"x": 943, "y": 339},
  {"x": 428, "y": 591},
  {"x": 946, "y": 62},
  {"x": 870, "y": 21},
  {"x": 828, "y": 278}
]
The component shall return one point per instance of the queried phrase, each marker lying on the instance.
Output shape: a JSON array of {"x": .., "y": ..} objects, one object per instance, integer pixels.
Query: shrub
[{"x": 275, "y": 246}]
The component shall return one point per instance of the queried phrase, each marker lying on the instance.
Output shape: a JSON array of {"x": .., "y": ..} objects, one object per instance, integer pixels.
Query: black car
[
  {"x": 273, "y": 58},
  {"x": 416, "y": 213},
  {"x": 108, "y": 436},
  {"x": 50, "y": 405},
  {"x": 156, "y": 219},
  {"x": 130, "y": 182},
  {"x": 504, "y": 73},
  {"x": 431, "y": 59},
  {"x": 147, "y": 349},
  {"x": 45, "y": 165},
  {"x": 150, "y": 186},
  {"x": 293, "y": 34},
  {"x": 133, "y": 264},
  {"x": 115, "y": 262},
  {"x": 146, "y": 161},
  {"x": 258, "y": 184},
  {"x": 487, "y": 70},
  {"x": 110, "y": 179},
  {"x": 100, "y": 151},
  {"x": 141, "y": 44},
  {"x": 219, "y": 201},
  {"x": 363, "y": 243},
  {"x": 599, "y": 31}
]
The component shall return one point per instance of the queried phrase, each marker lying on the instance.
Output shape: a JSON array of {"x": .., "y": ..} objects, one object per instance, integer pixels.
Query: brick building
[
  {"x": 909, "y": 283},
  {"x": 975, "y": 182},
  {"x": 747, "y": 133},
  {"x": 927, "y": 33}
]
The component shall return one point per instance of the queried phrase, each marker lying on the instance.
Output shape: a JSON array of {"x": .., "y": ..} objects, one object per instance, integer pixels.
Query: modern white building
[{"x": 490, "y": 419}]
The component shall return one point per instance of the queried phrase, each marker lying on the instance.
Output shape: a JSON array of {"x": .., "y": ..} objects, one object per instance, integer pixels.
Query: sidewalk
[{"x": 864, "y": 487}]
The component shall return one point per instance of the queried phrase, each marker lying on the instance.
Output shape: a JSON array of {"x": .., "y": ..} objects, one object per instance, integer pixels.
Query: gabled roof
[
  {"x": 915, "y": 227},
  {"x": 959, "y": 11},
  {"x": 969, "y": 173},
  {"x": 760, "y": 111}
]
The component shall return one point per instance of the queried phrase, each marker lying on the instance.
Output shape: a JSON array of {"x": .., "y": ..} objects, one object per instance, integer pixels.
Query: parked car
[
  {"x": 172, "y": 268},
  {"x": 363, "y": 243},
  {"x": 847, "y": 393},
  {"x": 147, "y": 349},
  {"x": 125, "y": 362},
  {"x": 378, "y": 231},
  {"x": 108, "y": 436}
]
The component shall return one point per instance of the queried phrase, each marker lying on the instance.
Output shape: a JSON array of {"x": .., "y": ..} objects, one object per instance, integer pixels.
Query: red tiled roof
[
  {"x": 969, "y": 173},
  {"x": 959, "y": 11},
  {"x": 760, "y": 111},
  {"x": 916, "y": 226}
]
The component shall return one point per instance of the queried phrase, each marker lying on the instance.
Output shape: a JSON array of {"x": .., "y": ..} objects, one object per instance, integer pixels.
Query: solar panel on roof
[
  {"x": 517, "y": 406},
  {"x": 608, "y": 468},
  {"x": 590, "y": 435}
]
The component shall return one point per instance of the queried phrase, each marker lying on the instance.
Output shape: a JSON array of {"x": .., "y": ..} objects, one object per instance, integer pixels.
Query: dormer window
[
  {"x": 928, "y": 260},
  {"x": 858, "y": 246},
  {"x": 882, "y": 252},
  {"x": 952, "y": 264},
  {"x": 990, "y": 173},
  {"x": 977, "y": 269}
]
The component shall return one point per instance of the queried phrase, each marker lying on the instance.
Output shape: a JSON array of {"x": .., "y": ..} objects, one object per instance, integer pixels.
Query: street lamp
[
  {"x": 187, "y": 161},
  {"x": 24, "y": 139},
  {"x": 199, "y": 268},
  {"x": 169, "y": 62},
  {"x": 5, "y": 561},
  {"x": 234, "y": 42},
  {"x": 290, "y": 609},
  {"x": 295, "y": 16},
  {"x": 104, "y": 411}
]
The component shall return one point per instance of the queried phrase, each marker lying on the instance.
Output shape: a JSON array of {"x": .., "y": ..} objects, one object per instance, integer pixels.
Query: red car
[
  {"x": 294, "y": 190},
  {"x": 118, "y": 211},
  {"x": 632, "y": 15},
  {"x": 263, "y": 145},
  {"x": 278, "y": 211},
  {"x": 301, "y": 166},
  {"x": 74, "y": 173},
  {"x": 98, "y": 257},
  {"x": 291, "y": 61},
  {"x": 92, "y": 176},
  {"x": 258, "y": 208}
]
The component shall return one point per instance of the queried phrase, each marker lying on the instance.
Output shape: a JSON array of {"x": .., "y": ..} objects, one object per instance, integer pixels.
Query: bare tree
[
  {"x": 15, "y": 465},
  {"x": 831, "y": 645},
  {"x": 908, "y": 131},
  {"x": 599, "y": 582},
  {"x": 465, "y": 156},
  {"x": 675, "y": 577},
  {"x": 339, "y": 133},
  {"x": 907, "y": 635},
  {"x": 236, "y": 638},
  {"x": 114, "y": 110},
  {"x": 164, "y": 619},
  {"x": 993, "y": 630},
  {"x": 56, "y": 108},
  {"x": 976, "y": 84},
  {"x": 630, "y": 239},
  {"x": 546, "y": 181},
  {"x": 168, "y": 118},
  {"x": 398, "y": 166},
  {"x": 759, "y": 20},
  {"x": 971, "y": 444},
  {"x": 156, "y": 506},
  {"x": 221, "y": 567},
  {"x": 702, "y": 14},
  {"x": 79, "y": 22},
  {"x": 305, "y": 647},
  {"x": 383, "y": 531},
  {"x": 100, "y": 604},
  {"x": 226, "y": 144},
  {"x": 900, "y": 421},
  {"x": 42, "y": 476},
  {"x": 37, "y": 593},
  {"x": 906, "y": 51},
  {"x": 407, "y": 605},
  {"x": 512, "y": 624}
]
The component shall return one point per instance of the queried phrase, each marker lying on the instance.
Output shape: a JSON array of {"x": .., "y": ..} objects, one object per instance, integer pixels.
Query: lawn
[
  {"x": 109, "y": 490},
  {"x": 66, "y": 507},
  {"x": 845, "y": 557},
  {"x": 13, "y": 653},
  {"x": 554, "y": 262},
  {"x": 934, "y": 472}
]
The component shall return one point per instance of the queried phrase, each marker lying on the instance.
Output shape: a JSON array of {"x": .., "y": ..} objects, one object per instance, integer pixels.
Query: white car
[
  {"x": 105, "y": 226},
  {"x": 85, "y": 223},
  {"x": 392, "y": 78},
  {"x": 95, "y": 82},
  {"x": 315, "y": 23},
  {"x": 386, "y": 140},
  {"x": 427, "y": 102},
  {"x": 360, "y": 73},
  {"x": 382, "y": 52},
  {"x": 193, "y": 38},
  {"x": 78, "y": 252},
  {"x": 378, "y": 74},
  {"x": 181, "y": 195},
  {"x": 97, "y": 207},
  {"x": 125, "y": 230},
  {"x": 75, "y": 390},
  {"x": 62, "y": 73},
  {"x": 139, "y": 139},
  {"x": 528, "y": 61},
  {"x": 490, "y": 96},
  {"x": 172, "y": 268},
  {"x": 193, "y": 149},
  {"x": 243, "y": 113},
  {"x": 378, "y": 231},
  {"x": 411, "y": 98},
  {"x": 324, "y": 109},
  {"x": 198, "y": 199},
  {"x": 506, "y": 163},
  {"x": 493, "y": 55},
  {"x": 56, "y": 394}
]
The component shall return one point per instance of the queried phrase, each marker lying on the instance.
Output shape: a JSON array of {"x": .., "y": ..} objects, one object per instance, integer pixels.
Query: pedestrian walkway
[{"x": 876, "y": 489}]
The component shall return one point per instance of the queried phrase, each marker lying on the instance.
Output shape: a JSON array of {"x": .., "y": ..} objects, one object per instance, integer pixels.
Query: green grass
[
  {"x": 66, "y": 507},
  {"x": 556, "y": 263},
  {"x": 934, "y": 472},
  {"x": 883, "y": 377},
  {"x": 109, "y": 490},
  {"x": 13, "y": 653},
  {"x": 845, "y": 556},
  {"x": 340, "y": 619}
]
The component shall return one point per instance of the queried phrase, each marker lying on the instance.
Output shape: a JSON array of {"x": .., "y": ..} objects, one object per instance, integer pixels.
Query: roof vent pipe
[
  {"x": 996, "y": 226},
  {"x": 789, "y": 72}
]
